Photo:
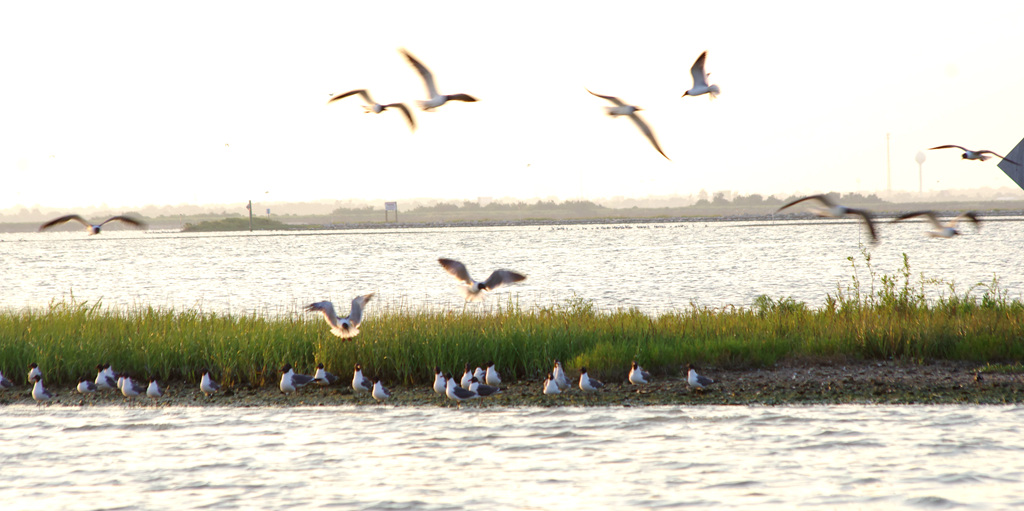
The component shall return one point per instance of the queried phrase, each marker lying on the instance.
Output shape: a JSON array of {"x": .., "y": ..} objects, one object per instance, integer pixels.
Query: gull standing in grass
[
  {"x": 482, "y": 389},
  {"x": 434, "y": 98},
  {"x": 973, "y": 155},
  {"x": 637, "y": 375},
  {"x": 207, "y": 385},
  {"x": 39, "y": 393},
  {"x": 85, "y": 386},
  {"x": 375, "y": 107},
  {"x": 360, "y": 383},
  {"x": 491, "y": 376},
  {"x": 322, "y": 377},
  {"x": 943, "y": 230},
  {"x": 5, "y": 383},
  {"x": 93, "y": 228},
  {"x": 695, "y": 380},
  {"x": 700, "y": 80},
  {"x": 560, "y": 378},
  {"x": 621, "y": 108},
  {"x": 587, "y": 383},
  {"x": 472, "y": 289},
  {"x": 104, "y": 381},
  {"x": 380, "y": 393},
  {"x": 130, "y": 388},
  {"x": 833, "y": 210},
  {"x": 440, "y": 384},
  {"x": 342, "y": 327},
  {"x": 33, "y": 371},
  {"x": 153, "y": 390},
  {"x": 457, "y": 393},
  {"x": 290, "y": 382},
  {"x": 551, "y": 386}
]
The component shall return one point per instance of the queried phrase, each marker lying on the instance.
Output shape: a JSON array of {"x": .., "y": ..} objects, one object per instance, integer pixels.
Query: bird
[
  {"x": 360, "y": 383},
  {"x": 973, "y": 155},
  {"x": 621, "y": 108},
  {"x": 942, "y": 230},
  {"x": 85, "y": 386},
  {"x": 467, "y": 375},
  {"x": 833, "y": 210},
  {"x": 207, "y": 385},
  {"x": 551, "y": 386},
  {"x": 695, "y": 380},
  {"x": 479, "y": 373},
  {"x": 440, "y": 384},
  {"x": 473, "y": 290},
  {"x": 5, "y": 383},
  {"x": 322, "y": 377},
  {"x": 153, "y": 390},
  {"x": 93, "y": 228},
  {"x": 33, "y": 371},
  {"x": 637, "y": 375},
  {"x": 587, "y": 383},
  {"x": 700, "y": 80},
  {"x": 130, "y": 388},
  {"x": 120, "y": 381},
  {"x": 342, "y": 327},
  {"x": 38, "y": 392},
  {"x": 482, "y": 389},
  {"x": 434, "y": 98},
  {"x": 457, "y": 393},
  {"x": 290, "y": 382},
  {"x": 559, "y": 374},
  {"x": 491, "y": 376},
  {"x": 376, "y": 107},
  {"x": 103, "y": 380},
  {"x": 380, "y": 393}
]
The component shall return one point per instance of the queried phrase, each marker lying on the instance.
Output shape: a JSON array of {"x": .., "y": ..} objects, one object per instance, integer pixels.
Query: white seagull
[
  {"x": 833, "y": 210},
  {"x": 38, "y": 392},
  {"x": 380, "y": 393},
  {"x": 560, "y": 378},
  {"x": 943, "y": 230},
  {"x": 637, "y": 375},
  {"x": 551, "y": 386},
  {"x": 440, "y": 384},
  {"x": 342, "y": 327},
  {"x": 130, "y": 388},
  {"x": 434, "y": 99},
  {"x": 207, "y": 385},
  {"x": 5, "y": 383},
  {"x": 85, "y": 386},
  {"x": 472, "y": 289},
  {"x": 360, "y": 383},
  {"x": 153, "y": 390},
  {"x": 467, "y": 375},
  {"x": 33, "y": 371},
  {"x": 622, "y": 108},
  {"x": 290, "y": 382},
  {"x": 700, "y": 80},
  {"x": 491, "y": 376},
  {"x": 322, "y": 377},
  {"x": 457, "y": 393},
  {"x": 93, "y": 228},
  {"x": 120, "y": 381},
  {"x": 587, "y": 383},
  {"x": 104, "y": 381},
  {"x": 695, "y": 380},
  {"x": 973, "y": 155},
  {"x": 482, "y": 389},
  {"x": 375, "y": 107}
]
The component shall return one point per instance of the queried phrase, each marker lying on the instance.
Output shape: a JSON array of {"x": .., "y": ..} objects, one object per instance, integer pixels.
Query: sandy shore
[{"x": 791, "y": 383}]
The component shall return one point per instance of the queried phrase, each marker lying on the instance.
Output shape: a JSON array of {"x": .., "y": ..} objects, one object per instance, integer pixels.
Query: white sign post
[{"x": 390, "y": 206}]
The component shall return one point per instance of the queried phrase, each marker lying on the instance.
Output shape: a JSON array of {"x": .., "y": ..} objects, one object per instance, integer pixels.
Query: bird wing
[
  {"x": 428, "y": 79},
  {"x": 362, "y": 92},
  {"x": 697, "y": 71},
  {"x": 821, "y": 198},
  {"x": 613, "y": 99},
  {"x": 499, "y": 277},
  {"x": 90, "y": 385},
  {"x": 405, "y": 110},
  {"x": 327, "y": 308},
  {"x": 867, "y": 221},
  {"x": 457, "y": 270},
  {"x": 647, "y": 132},
  {"x": 948, "y": 147},
  {"x": 970, "y": 215},
  {"x": 461, "y": 97},
  {"x": 997, "y": 154},
  {"x": 704, "y": 380},
  {"x": 125, "y": 219},
  {"x": 930, "y": 215},
  {"x": 301, "y": 379},
  {"x": 355, "y": 316},
  {"x": 63, "y": 219}
]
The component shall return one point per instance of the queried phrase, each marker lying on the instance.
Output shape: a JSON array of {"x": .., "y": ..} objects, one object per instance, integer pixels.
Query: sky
[{"x": 125, "y": 104}]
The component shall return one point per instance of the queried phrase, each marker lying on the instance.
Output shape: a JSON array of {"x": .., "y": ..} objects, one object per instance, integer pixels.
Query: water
[
  {"x": 654, "y": 267},
  {"x": 836, "y": 457}
]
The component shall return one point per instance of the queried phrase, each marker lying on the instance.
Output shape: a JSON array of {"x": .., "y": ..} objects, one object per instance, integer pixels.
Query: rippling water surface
[
  {"x": 836, "y": 457},
  {"x": 654, "y": 267}
]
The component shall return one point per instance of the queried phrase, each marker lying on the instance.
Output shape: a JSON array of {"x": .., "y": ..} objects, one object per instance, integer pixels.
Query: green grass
[{"x": 874, "y": 317}]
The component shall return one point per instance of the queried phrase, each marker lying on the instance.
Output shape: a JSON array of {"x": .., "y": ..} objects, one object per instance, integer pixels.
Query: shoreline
[{"x": 788, "y": 383}]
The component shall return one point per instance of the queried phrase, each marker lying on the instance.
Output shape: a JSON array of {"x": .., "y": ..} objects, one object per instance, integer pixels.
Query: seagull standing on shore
[
  {"x": 39, "y": 393},
  {"x": 491, "y": 376},
  {"x": 621, "y": 108},
  {"x": 560, "y": 378},
  {"x": 322, "y": 377},
  {"x": 375, "y": 107},
  {"x": 457, "y": 393},
  {"x": 342, "y": 327},
  {"x": 467, "y": 375},
  {"x": 85, "y": 386},
  {"x": 440, "y": 384},
  {"x": 551, "y": 386},
  {"x": 942, "y": 230},
  {"x": 5, "y": 383},
  {"x": 833, "y": 210},
  {"x": 637, "y": 375},
  {"x": 380, "y": 393},
  {"x": 33, "y": 371},
  {"x": 93, "y": 228},
  {"x": 434, "y": 99},
  {"x": 587, "y": 383},
  {"x": 207, "y": 385},
  {"x": 360, "y": 383},
  {"x": 130, "y": 388},
  {"x": 700, "y": 80},
  {"x": 153, "y": 390},
  {"x": 290, "y": 382},
  {"x": 472, "y": 289},
  {"x": 695, "y": 380},
  {"x": 482, "y": 389},
  {"x": 973, "y": 155},
  {"x": 103, "y": 380}
]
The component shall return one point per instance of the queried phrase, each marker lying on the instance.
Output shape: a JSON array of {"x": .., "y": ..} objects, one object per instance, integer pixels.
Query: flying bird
[
  {"x": 434, "y": 99},
  {"x": 622, "y": 108},
  {"x": 93, "y": 228},
  {"x": 375, "y": 107},
  {"x": 942, "y": 230},
  {"x": 473, "y": 290},
  {"x": 695, "y": 380},
  {"x": 833, "y": 210},
  {"x": 700, "y": 80},
  {"x": 342, "y": 327},
  {"x": 973, "y": 155}
]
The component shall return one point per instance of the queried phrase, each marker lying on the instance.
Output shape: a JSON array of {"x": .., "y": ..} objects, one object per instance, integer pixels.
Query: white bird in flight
[
  {"x": 434, "y": 99},
  {"x": 942, "y": 230},
  {"x": 700, "y": 80},
  {"x": 833, "y": 210},
  {"x": 621, "y": 108},
  {"x": 93, "y": 228},
  {"x": 347, "y": 326},
  {"x": 973, "y": 155},
  {"x": 375, "y": 107},
  {"x": 473, "y": 290}
]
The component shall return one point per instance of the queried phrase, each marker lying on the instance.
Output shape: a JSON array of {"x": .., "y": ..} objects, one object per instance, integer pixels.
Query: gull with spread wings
[
  {"x": 973, "y": 155},
  {"x": 833, "y": 210},
  {"x": 435, "y": 99},
  {"x": 375, "y": 107},
  {"x": 621, "y": 108},
  {"x": 700, "y": 80},
  {"x": 472, "y": 289},
  {"x": 942, "y": 230},
  {"x": 93, "y": 228},
  {"x": 342, "y": 327}
]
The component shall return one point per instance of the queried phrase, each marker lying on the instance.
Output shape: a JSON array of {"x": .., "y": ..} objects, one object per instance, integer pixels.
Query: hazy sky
[{"x": 132, "y": 103}]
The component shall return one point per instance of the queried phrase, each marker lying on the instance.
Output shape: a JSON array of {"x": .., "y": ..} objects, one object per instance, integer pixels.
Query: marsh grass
[{"x": 874, "y": 316}]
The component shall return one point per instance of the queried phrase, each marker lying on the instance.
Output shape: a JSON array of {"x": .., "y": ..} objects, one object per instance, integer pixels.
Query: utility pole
[
  {"x": 249, "y": 207},
  {"x": 920, "y": 173}
]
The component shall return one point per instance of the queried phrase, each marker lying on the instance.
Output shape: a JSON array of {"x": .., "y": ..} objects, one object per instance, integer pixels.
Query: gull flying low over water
[
  {"x": 942, "y": 230},
  {"x": 587, "y": 383},
  {"x": 322, "y": 377},
  {"x": 93, "y": 228},
  {"x": 637, "y": 375},
  {"x": 153, "y": 390},
  {"x": 380, "y": 393},
  {"x": 472, "y": 289},
  {"x": 290, "y": 382},
  {"x": 700, "y": 80},
  {"x": 38, "y": 392},
  {"x": 695, "y": 380},
  {"x": 375, "y": 107},
  {"x": 207, "y": 385},
  {"x": 833, "y": 210},
  {"x": 434, "y": 99},
  {"x": 973, "y": 155},
  {"x": 342, "y": 327},
  {"x": 85, "y": 386},
  {"x": 622, "y": 108}
]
